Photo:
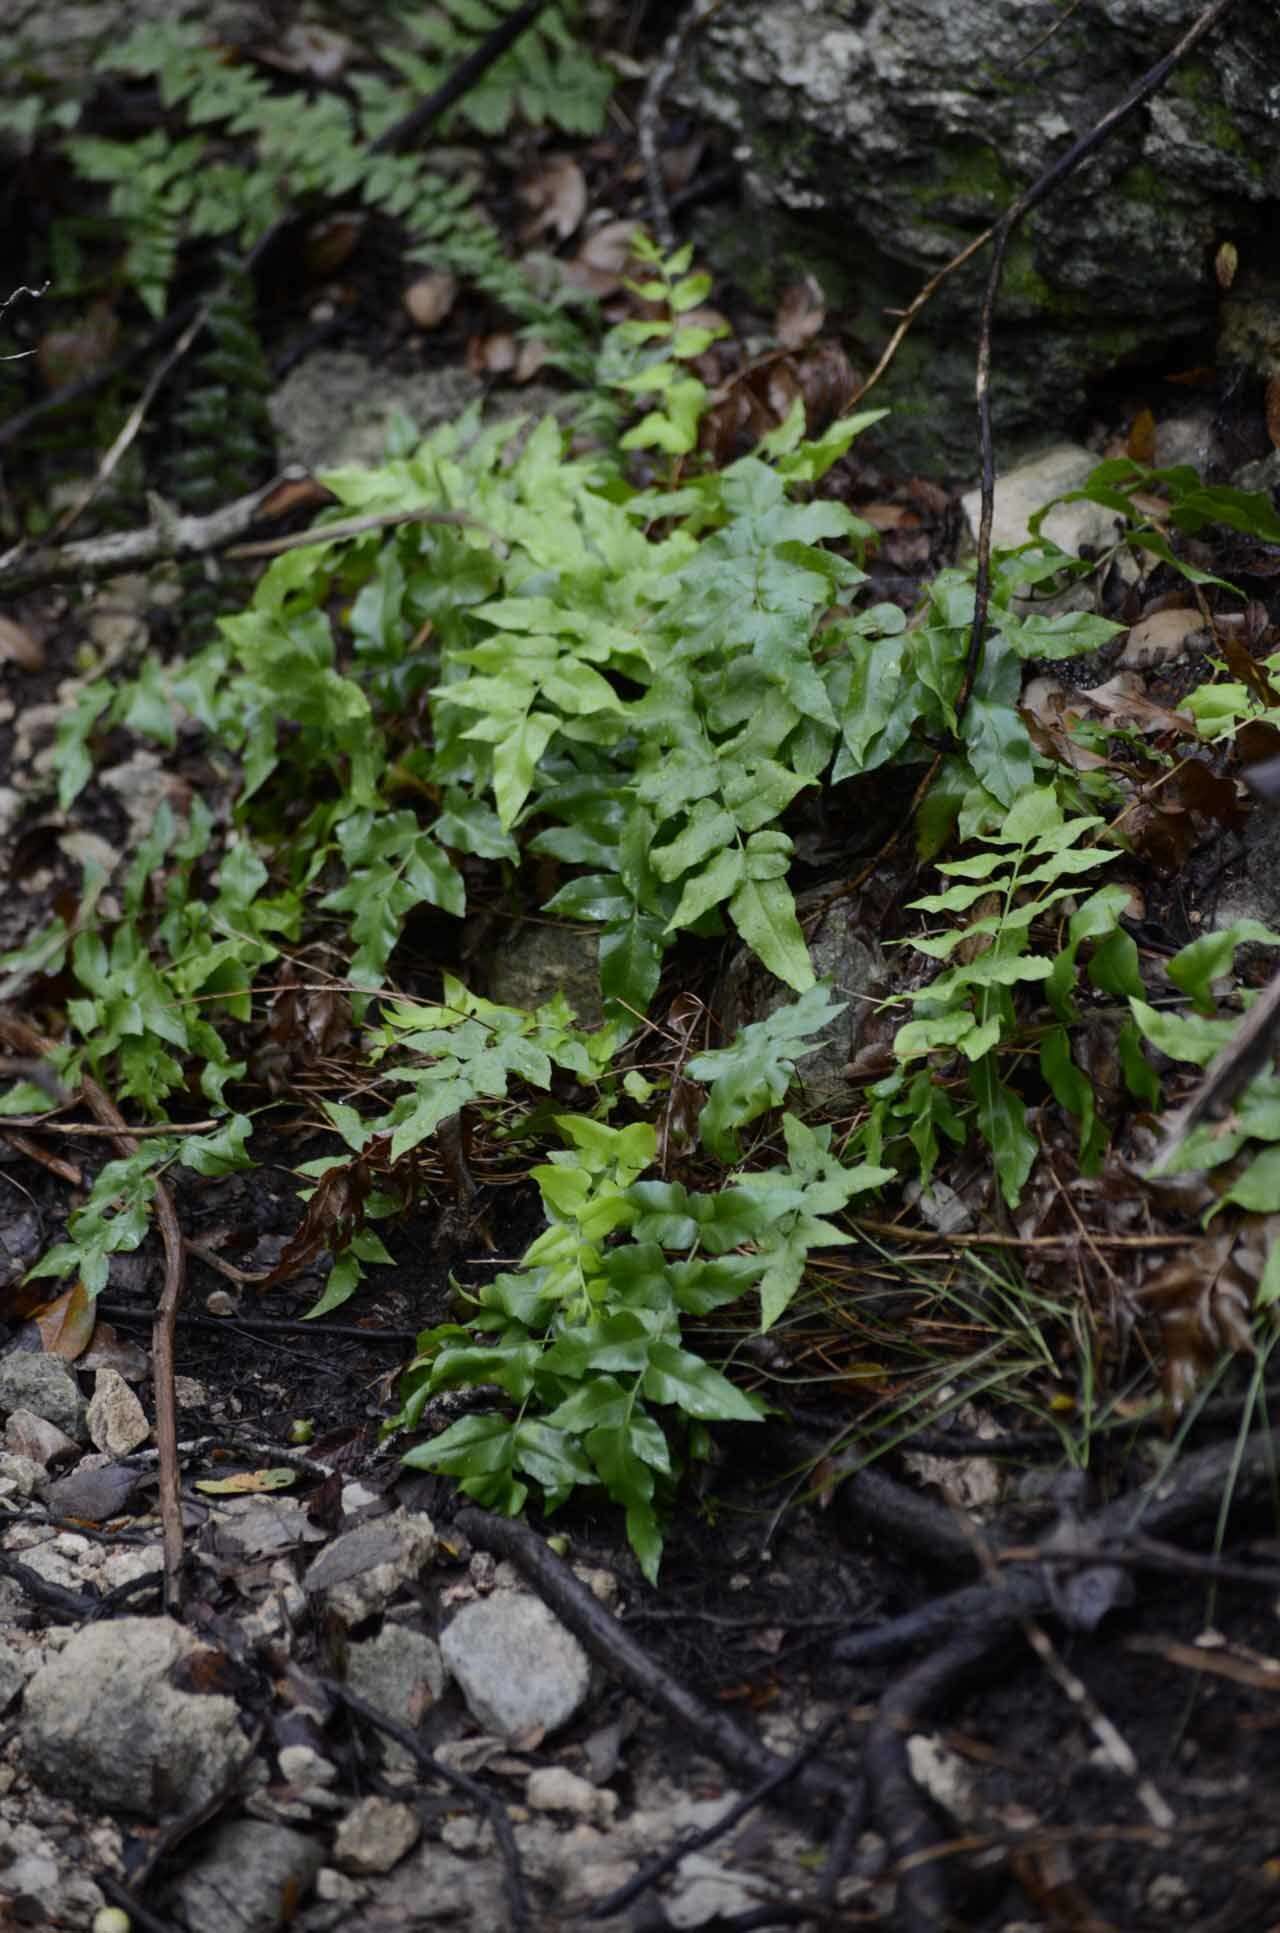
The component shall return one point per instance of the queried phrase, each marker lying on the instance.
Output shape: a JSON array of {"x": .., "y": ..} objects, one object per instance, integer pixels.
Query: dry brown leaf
[
  {"x": 330, "y": 243},
  {"x": 827, "y": 379},
  {"x": 1153, "y": 507},
  {"x": 1202, "y": 1302},
  {"x": 1161, "y": 832},
  {"x": 931, "y": 498},
  {"x": 334, "y": 1213},
  {"x": 556, "y": 191},
  {"x": 1204, "y": 790},
  {"x": 781, "y": 388},
  {"x": 733, "y": 426},
  {"x": 604, "y": 259},
  {"x": 306, "y": 1023},
  {"x": 1256, "y": 630},
  {"x": 1256, "y": 740},
  {"x": 493, "y": 355},
  {"x": 801, "y": 313},
  {"x": 888, "y": 516},
  {"x": 429, "y": 299},
  {"x": 1057, "y": 744},
  {"x": 295, "y": 493},
  {"x": 531, "y": 356},
  {"x": 18, "y": 646},
  {"x": 1225, "y": 264},
  {"x": 1161, "y": 637},
  {"x": 707, "y": 318},
  {"x": 609, "y": 247},
  {"x": 1272, "y": 407},
  {"x": 974, "y": 945},
  {"x": 1124, "y": 700},
  {"x": 1140, "y": 445},
  {"x": 908, "y": 549},
  {"x": 110, "y": 1350},
  {"x": 66, "y": 1324},
  {"x": 246, "y": 1483},
  {"x": 1243, "y": 665}
]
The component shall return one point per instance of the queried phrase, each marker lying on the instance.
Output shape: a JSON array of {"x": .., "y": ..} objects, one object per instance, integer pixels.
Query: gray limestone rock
[
  {"x": 538, "y": 961},
  {"x": 29, "y": 1435},
  {"x": 95, "y": 1490},
  {"x": 104, "y": 1721},
  {"x": 13, "y": 1674},
  {"x": 842, "y": 952},
  {"x": 516, "y": 1665},
  {"x": 37, "y": 1867},
  {"x": 361, "y": 1571},
  {"x": 1256, "y": 894},
  {"x": 246, "y": 1528},
  {"x": 401, "y": 1674},
  {"x": 44, "y": 1385},
  {"x": 375, "y": 1835},
  {"x": 116, "y": 1420},
  {"x": 250, "y": 1880}
]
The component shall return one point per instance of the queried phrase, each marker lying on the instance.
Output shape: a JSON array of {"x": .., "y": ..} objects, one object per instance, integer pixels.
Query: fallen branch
[
  {"x": 610, "y": 1644},
  {"x": 168, "y": 535},
  {"x": 901, "y": 1814},
  {"x": 975, "y": 1626}
]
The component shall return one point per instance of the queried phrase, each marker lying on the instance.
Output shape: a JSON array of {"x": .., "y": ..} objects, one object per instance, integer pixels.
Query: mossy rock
[{"x": 879, "y": 139}]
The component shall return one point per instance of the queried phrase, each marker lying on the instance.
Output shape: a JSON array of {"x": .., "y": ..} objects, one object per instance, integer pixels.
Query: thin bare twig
[
  {"x": 488, "y": 1802},
  {"x": 935, "y": 1238},
  {"x": 1044, "y": 185},
  {"x": 358, "y": 526},
  {"x": 1247, "y": 1052},
  {"x": 665, "y": 1862},
  {"x": 1115, "y": 1748},
  {"x": 95, "y": 1131},
  {"x": 1049, "y": 34},
  {"x": 1001, "y": 232},
  {"x": 134, "y": 421},
  {"x": 20, "y": 355},
  {"x": 650, "y": 110}
]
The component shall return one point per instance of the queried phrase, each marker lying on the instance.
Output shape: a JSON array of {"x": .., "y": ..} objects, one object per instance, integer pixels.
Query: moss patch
[{"x": 968, "y": 179}]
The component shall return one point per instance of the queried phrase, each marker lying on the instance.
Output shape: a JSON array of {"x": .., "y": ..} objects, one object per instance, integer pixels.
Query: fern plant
[
  {"x": 603, "y": 699},
  {"x": 584, "y": 1340},
  {"x": 166, "y": 191},
  {"x": 1030, "y": 866},
  {"x": 548, "y": 78}
]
